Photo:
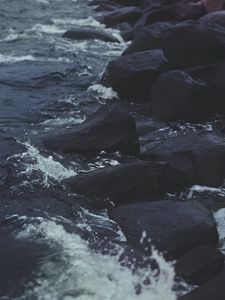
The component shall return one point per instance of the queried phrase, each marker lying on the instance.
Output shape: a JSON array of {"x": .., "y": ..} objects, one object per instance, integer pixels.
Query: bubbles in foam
[
  {"x": 83, "y": 274},
  {"x": 105, "y": 93},
  {"x": 49, "y": 168},
  {"x": 220, "y": 221}
]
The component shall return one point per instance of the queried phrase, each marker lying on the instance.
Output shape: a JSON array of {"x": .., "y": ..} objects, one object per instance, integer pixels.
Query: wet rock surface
[
  {"x": 172, "y": 226},
  {"x": 85, "y": 184},
  {"x": 133, "y": 75},
  {"x": 198, "y": 155},
  {"x": 110, "y": 129},
  {"x": 126, "y": 183}
]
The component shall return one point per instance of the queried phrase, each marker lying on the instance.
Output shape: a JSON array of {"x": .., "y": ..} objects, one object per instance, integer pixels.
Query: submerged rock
[
  {"x": 133, "y": 75},
  {"x": 110, "y": 129},
  {"x": 201, "y": 156},
  {"x": 173, "y": 227},
  {"x": 177, "y": 96},
  {"x": 128, "y": 182},
  {"x": 86, "y": 34}
]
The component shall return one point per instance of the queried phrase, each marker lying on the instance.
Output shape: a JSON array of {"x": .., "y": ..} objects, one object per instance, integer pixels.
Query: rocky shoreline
[{"x": 173, "y": 70}]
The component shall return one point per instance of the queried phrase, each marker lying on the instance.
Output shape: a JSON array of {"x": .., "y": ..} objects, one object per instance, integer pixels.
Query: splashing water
[
  {"x": 50, "y": 169},
  {"x": 89, "y": 275}
]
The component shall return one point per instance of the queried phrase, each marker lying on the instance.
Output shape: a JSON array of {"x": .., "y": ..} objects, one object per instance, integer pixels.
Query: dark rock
[
  {"x": 176, "y": 96},
  {"x": 124, "y": 14},
  {"x": 218, "y": 89},
  {"x": 214, "y": 18},
  {"x": 110, "y": 129},
  {"x": 128, "y": 182},
  {"x": 212, "y": 289},
  {"x": 205, "y": 72},
  {"x": 200, "y": 264},
  {"x": 133, "y": 75},
  {"x": 85, "y": 34},
  {"x": 173, "y": 227},
  {"x": 201, "y": 156},
  {"x": 185, "y": 44}
]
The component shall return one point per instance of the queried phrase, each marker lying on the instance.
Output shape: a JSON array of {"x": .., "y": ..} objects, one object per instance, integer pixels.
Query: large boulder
[
  {"x": 128, "y": 182},
  {"x": 185, "y": 44},
  {"x": 214, "y": 18},
  {"x": 173, "y": 227},
  {"x": 133, "y": 75},
  {"x": 86, "y": 34},
  {"x": 212, "y": 289},
  {"x": 174, "y": 12},
  {"x": 125, "y": 14},
  {"x": 218, "y": 89},
  {"x": 200, "y": 264},
  {"x": 201, "y": 156},
  {"x": 110, "y": 129},
  {"x": 177, "y": 96}
]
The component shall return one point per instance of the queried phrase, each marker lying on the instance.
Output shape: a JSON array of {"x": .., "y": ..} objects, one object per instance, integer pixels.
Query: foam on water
[
  {"x": 50, "y": 169},
  {"x": 49, "y": 29},
  {"x": 90, "y": 22},
  {"x": 64, "y": 121},
  {"x": 201, "y": 189},
  {"x": 105, "y": 93},
  {"x": 7, "y": 59},
  {"x": 11, "y": 59},
  {"x": 220, "y": 221},
  {"x": 83, "y": 274}
]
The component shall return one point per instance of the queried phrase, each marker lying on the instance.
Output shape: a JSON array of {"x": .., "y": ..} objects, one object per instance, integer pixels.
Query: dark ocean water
[{"x": 48, "y": 83}]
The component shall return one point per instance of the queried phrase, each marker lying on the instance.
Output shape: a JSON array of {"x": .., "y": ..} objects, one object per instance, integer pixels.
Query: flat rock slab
[
  {"x": 87, "y": 34},
  {"x": 173, "y": 227},
  {"x": 201, "y": 156},
  {"x": 128, "y": 182},
  {"x": 133, "y": 75},
  {"x": 110, "y": 129}
]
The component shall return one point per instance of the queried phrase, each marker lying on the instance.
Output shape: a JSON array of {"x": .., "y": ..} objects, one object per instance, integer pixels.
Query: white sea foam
[
  {"x": 64, "y": 121},
  {"x": 106, "y": 93},
  {"x": 220, "y": 221},
  {"x": 83, "y": 274},
  {"x": 11, "y": 59},
  {"x": 49, "y": 29},
  {"x": 90, "y": 22},
  {"x": 50, "y": 169},
  {"x": 201, "y": 189},
  {"x": 46, "y": 2},
  {"x": 7, "y": 59}
]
